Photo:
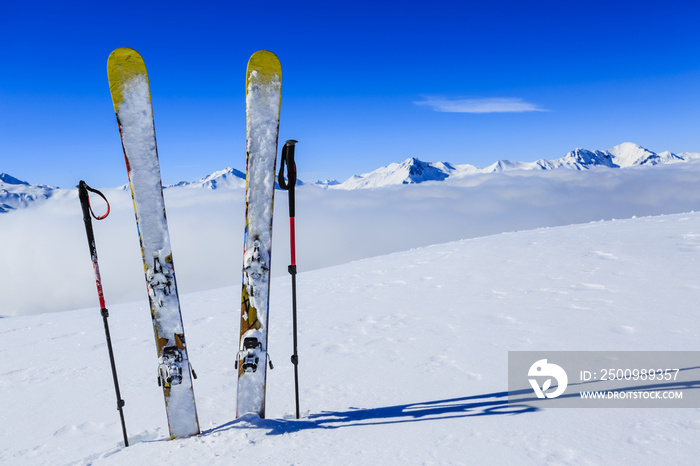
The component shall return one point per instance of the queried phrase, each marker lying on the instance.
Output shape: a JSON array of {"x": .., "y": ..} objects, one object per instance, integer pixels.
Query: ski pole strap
[
  {"x": 83, "y": 189},
  {"x": 288, "y": 162}
]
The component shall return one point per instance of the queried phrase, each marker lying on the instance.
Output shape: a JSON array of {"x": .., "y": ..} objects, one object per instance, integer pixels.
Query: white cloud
[
  {"x": 483, "y": 105},
  {"x": 46, "y": 264}
]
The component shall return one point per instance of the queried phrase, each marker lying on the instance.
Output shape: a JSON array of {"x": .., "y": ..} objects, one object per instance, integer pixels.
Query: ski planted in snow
[
  {"x": 131, "y": 95},
  {"x": 263, "y": 97}
]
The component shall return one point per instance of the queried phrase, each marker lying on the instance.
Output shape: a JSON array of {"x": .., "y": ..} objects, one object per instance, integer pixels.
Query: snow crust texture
[
  {"x": 263, "y": 99},
  {"x": 138, "y": 135},
  {"x": 135, "y": 116},
  {"x": 403, "y": 359}
]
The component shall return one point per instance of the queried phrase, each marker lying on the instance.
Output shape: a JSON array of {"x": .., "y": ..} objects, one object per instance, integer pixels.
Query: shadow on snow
[
  {"x": 489, "y": 404},
  {"x": 471, "y": 406}
]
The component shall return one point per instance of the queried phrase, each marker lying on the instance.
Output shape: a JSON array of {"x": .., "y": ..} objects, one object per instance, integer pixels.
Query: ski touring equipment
[
  {"x": 84, "y": 197},
  {"x": 288, "y": 185},
  {"x": 263, "y": 97},
  {"x": 131, "y": 95}
]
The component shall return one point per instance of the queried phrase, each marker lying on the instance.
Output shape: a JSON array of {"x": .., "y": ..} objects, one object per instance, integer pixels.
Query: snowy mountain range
[
  {"x": 226, "y": 178},
  {"x": 15, "y": 193},
  {"x": 413, "y": 170}
]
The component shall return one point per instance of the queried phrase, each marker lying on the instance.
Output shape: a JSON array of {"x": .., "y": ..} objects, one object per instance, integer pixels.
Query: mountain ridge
[
  {"x": 16, "y": 193},
  {"x": 413, "y": 170}
]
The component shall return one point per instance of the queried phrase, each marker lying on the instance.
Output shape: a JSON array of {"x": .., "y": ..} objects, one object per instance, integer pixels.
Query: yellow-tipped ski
[
  {"x": 263, "y": 97},
  {"x": 131, "y": 96},
  {"x": 266, "y": 65},
  {"x": 122, "y": 66}
]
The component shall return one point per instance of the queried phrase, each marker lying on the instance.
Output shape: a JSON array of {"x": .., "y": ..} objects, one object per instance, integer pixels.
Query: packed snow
[
  {"x": 403, "y": 359},
  {"x": 410, "y": 297},
  {"x": 135, "y": 116},
  {"x": 263, "y": 98}
]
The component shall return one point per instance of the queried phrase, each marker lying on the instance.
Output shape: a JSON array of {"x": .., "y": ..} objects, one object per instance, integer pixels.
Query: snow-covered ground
[
  {"x": 403, "y": 359},
  {"x": 410, "y": 297}
]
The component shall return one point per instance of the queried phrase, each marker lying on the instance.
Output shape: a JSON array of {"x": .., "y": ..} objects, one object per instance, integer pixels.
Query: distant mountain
[
  {"x": 413, "y": 170},
  {"x": 325, "y": 182},
  {"x": 15, "y": 193},
  {"x": 621, "y": 156},
  {"x": 408, "y": 172},
  {"x": 226, "y": 178}
]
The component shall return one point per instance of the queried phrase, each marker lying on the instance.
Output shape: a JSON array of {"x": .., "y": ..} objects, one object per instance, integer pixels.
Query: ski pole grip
[
  {"x": 85, "y": 206},
  {"x": 84, "y": 197},
  {"x": 84, "y": 200},
  {"x": 288, "y": 163}
]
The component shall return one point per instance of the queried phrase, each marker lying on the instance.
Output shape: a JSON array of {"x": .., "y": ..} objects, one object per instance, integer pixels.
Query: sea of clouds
[{"x": 45, "y": 264}]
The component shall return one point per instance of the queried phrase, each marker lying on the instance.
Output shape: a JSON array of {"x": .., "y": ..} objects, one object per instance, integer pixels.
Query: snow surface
[{"x": 403, "y": 359}]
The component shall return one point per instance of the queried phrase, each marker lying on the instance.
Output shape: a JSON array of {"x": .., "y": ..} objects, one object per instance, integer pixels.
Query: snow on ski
[
  {"x": 263, "y": 97},
  {"x": 128, "y": 82}
]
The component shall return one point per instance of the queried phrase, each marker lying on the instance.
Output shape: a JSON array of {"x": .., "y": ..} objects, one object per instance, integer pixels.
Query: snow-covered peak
[
  {"x": 226, "y": 178},
  {"x": 410, "y": 171},
  {"x": 9, "y": 179},
  {"x": 629, "y": 154},
  {"x": 579, "y": 159},
  {"x": 325, "y": 182},
  {"x": 504, "y": 165},
  {"x": 15, "y": 193}
]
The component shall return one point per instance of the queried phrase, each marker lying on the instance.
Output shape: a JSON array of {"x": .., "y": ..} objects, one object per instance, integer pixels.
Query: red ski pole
[
  {"x": 288, "y": 184},
  {"x": 84, "y": 197}
]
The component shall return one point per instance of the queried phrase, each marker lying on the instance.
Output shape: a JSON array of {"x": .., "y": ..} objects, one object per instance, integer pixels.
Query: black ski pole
[
  {"x": 84, "y": 197},
  {"x": 288, "y": 161}
]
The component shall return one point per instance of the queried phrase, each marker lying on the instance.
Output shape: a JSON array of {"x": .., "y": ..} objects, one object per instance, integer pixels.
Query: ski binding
[
  {"x": 170, "y": 368},
  {"x": 255, "y": 266},
  {"x": 249, "y": 354}
]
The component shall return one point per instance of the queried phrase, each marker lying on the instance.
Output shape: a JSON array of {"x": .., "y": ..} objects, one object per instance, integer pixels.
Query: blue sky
[{"x": 365, "y": 83}]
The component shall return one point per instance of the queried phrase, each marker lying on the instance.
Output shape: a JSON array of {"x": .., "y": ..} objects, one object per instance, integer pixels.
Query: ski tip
[
  {"x": 127, "y": 59},
  {"x": 263, "y": 56},
  {"x": 124, "y": 51},
  {"x": 265, "y": 63},
  {"x": 122, "y": 65}
]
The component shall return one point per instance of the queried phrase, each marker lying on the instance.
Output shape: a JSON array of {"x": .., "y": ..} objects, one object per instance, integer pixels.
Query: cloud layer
[
  {"x": 46, "y": 265},
  {"x": 483, "y": 105}
]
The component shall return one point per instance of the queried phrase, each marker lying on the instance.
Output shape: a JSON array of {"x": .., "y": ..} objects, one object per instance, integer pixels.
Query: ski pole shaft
[
  {"x": 87, "y": 213},
  {"x": 295, "y": 356},
  {"x": 288, "y": 184},
  {"x": 84, "y": 197},
  {"x": 120, "y": 402}
]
